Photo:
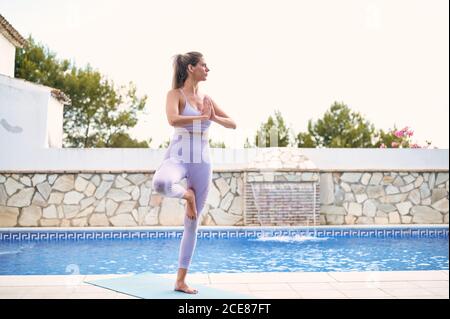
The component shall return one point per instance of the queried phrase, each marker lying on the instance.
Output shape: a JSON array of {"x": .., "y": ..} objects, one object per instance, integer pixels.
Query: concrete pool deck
[{"x": 428, "y": 284}]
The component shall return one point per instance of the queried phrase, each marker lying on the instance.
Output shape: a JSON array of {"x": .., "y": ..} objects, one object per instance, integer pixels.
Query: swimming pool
[{"x": 62, "y": 252}]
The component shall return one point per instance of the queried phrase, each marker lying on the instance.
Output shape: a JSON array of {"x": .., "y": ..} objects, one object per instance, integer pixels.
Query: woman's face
[{"x": 200, "y": 71}]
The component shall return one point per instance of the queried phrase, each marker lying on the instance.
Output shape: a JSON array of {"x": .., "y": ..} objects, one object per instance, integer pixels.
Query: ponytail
[{"x": 180, "y": 66}]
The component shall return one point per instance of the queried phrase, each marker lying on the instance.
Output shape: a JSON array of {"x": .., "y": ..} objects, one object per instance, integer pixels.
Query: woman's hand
[
  {"x": 205, "y": 112},
  {"x": 207, "y": 104},
  {"x": 220, "y": 117}
]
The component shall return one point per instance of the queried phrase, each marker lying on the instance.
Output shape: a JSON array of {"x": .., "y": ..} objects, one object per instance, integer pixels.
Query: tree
[
  {"x": 247, "y": 143},
  {"x": 37, "y": 64},
  {"x": 306, "y": 140},
  {"x": 339, "y": 128},
  {"x": 164, "y": 144},
  {"x": 272, "y": 133},
  {"x": 216, "y": 144},
  {"x": 99, "y": 113},
  {"x": 123, "y": 140}
]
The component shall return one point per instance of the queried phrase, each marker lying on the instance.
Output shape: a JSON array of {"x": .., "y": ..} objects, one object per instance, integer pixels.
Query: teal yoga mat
[{"x": 153, "y": 286}]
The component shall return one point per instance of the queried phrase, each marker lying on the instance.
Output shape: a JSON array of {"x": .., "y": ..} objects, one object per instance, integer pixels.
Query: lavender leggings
[{"x": 193, "y": 164}]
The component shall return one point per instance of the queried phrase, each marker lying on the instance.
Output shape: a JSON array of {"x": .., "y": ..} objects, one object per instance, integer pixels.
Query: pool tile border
[{"x": 30, "y": 234}]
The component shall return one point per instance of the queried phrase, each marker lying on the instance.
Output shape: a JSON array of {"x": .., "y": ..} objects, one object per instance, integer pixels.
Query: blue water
[{"x": 285, "y": 254}]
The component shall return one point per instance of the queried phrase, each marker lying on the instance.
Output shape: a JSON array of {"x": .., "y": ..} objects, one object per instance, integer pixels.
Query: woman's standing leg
[{"x": 199, "y": 179}]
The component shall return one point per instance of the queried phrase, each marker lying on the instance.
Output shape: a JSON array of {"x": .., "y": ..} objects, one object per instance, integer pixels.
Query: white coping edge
[
  {"x": 168, "y": 228},
  {"x": 219, "y": 169}
]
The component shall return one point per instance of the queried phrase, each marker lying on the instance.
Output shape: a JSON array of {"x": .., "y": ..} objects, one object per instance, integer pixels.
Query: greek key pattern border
[{"x": 78, "y": 235}]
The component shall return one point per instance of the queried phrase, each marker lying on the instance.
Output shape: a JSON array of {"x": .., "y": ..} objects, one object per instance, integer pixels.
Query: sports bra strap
[{"x": 183, "y": 93}]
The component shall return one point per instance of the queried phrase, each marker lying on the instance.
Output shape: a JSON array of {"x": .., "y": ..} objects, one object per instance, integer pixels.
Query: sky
[{"x": 388, "y": 60}]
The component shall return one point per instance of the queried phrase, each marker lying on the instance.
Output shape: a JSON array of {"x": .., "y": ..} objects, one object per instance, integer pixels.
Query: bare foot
[
  {"x": 191, "y": 209},
  {"x": 185, "y": 288}
]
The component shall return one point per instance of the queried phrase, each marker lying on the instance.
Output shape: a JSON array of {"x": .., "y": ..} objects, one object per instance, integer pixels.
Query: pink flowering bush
[{"x": 400, "y": 139}]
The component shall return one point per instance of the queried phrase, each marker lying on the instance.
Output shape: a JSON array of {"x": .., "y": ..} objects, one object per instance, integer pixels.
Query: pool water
[{"x": 266, "y": 254}]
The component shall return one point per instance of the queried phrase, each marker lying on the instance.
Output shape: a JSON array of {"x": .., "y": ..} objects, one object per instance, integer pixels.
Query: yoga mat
[{"x": 153, "y": 286}]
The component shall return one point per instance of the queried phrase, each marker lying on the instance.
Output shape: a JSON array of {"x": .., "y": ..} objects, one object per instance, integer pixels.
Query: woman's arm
[
  {"x": 173, "y": 115},
  {"x": 218, "y": 115},
  {"x": 181, "y": 120}
]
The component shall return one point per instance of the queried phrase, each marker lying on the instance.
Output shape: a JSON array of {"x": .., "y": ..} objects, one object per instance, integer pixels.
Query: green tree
[
  {"x": 306, "y": 139},
  {"x": 272, "y": 133},
  {"x": 339, "y": 128},
  {"x": 247, "y": 143},
  {"x": 216, "y": 144},
  {"x": 164, "y": 144},
  {"x": 37, "y": 64},
  {"x": 100, "y": 113},
  {"x": 123, "y": 140}
]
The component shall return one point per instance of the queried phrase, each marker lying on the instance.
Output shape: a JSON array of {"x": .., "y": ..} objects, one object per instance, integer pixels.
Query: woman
[{"x": 191, "y": 113}]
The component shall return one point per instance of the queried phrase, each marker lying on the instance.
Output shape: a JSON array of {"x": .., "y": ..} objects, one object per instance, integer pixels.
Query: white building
[
  {"x": 10, "y": 39},
  {"x": 31, "y": 115}
]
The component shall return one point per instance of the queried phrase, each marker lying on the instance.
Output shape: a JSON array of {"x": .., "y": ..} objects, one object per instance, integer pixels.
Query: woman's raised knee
[{"x": 160, "y": 185}]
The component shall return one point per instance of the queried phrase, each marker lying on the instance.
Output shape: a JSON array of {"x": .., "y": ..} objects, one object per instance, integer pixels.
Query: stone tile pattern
[
  {"x": 275, "y": 158},
  {"x": 125, "y": 199},
  {"x": 120, "y": 199},
  {"x": 384, "y": 198}
]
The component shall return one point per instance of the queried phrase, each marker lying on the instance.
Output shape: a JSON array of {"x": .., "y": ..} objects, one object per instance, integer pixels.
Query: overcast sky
[{"x": 387, "y": 60}]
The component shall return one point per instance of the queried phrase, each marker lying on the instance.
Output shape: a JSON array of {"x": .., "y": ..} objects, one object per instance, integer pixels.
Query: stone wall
[
  {"x": 384, "y": 198},
  {"x": 76, "y": 200},
  {"x": 126, "y": 199}
]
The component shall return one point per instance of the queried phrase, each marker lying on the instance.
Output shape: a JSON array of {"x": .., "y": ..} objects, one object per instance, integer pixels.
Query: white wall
[
  {"x": 30, "y": 117},
  {"x": 54, "y": 123},
  {"x": 138, "y": 159},
  {"x": 7, "y": 56}
]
